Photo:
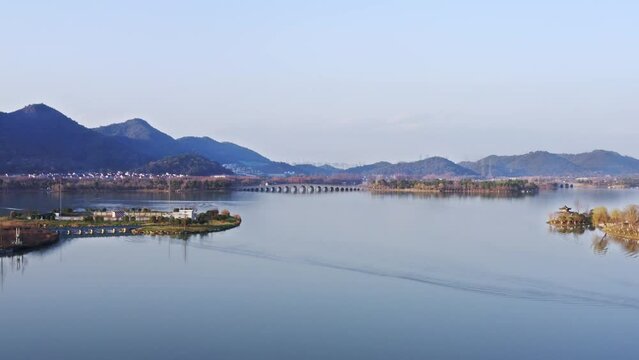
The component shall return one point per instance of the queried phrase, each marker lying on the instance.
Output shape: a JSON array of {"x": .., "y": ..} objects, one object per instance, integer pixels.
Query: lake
[{"x": 329, "y": 276}]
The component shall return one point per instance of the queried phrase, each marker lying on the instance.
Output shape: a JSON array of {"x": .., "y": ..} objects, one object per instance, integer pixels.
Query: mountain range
[
  {"x": 38, "y": 138},
  {"x": 543, "y": 163}
]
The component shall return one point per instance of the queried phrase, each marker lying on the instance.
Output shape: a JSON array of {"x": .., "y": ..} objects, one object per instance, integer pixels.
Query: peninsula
[{"x": 25, "y": 231}]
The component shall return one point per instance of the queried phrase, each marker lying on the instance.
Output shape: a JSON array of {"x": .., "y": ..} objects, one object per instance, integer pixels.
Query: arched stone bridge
[{"x": 301, "y": 188}]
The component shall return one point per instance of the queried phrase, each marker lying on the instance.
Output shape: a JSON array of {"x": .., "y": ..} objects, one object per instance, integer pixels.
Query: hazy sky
[{"x": 337, "y": 81}]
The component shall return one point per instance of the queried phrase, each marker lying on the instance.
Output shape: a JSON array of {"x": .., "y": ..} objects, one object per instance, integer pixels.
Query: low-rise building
[
  {"x": 144, "y": 215},
  {"x": 184, "y": 213},
  {"x": 113, "y": 215},
  {"x": 71, "y": 217}
]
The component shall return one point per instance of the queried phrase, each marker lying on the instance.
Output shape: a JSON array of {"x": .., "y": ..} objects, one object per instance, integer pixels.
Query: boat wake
[{"x": 508, "y": 287}]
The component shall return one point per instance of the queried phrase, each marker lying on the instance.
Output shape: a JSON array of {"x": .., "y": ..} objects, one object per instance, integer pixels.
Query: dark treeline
[{"x": 457, "y": 186}]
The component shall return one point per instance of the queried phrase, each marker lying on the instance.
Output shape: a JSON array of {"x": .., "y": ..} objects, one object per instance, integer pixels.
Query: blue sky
[{"x": 337, "y": 81}]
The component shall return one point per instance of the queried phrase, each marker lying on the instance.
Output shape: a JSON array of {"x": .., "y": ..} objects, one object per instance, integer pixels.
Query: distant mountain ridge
[
  {"x": 226, "y": 152},
  {"x": 136, "y": 128},
  {"x": 543, "y": 163},
  {"x": 604, "y": 162},
  {"x": 38, "y": 138},
  {"x": 140, "y": 134}
]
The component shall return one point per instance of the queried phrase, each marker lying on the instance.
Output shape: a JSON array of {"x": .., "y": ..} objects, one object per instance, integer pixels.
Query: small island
[
  {"x": 618, "y": 223},
  {"x": 509, "y": 187},
  {"x": 25, "y": 231}
]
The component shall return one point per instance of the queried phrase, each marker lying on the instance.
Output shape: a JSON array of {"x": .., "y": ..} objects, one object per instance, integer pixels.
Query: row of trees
[{"x": 629, "y": 215}]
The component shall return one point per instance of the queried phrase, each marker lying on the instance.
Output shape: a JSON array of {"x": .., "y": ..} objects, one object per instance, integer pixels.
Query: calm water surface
[{"x": 329, "y": 276}]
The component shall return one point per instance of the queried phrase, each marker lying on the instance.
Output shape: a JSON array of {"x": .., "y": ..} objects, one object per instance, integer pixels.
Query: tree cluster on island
[{"x": 622, "y": 223}]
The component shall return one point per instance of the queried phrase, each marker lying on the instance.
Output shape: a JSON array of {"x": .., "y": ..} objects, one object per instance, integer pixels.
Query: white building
[
  {"x": 72, "y": 217},
  {"x": 185, "y": 213}
]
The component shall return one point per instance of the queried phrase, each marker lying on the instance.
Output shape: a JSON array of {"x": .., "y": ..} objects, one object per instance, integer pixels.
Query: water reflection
[
  {"x": 630, "y": 247},
  {"x": 600, "y": 243},
  {"x": 12, "y": 264},
  {"x": 574, "y": 230},
  {"x": 16, "y": 264}
]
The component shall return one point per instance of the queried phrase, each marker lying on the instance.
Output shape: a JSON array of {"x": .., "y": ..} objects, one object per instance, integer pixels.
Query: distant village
[{"x": 103, "y": 175}]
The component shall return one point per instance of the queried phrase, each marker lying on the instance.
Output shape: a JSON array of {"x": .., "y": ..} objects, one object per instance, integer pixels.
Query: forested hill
[
  {"x": 38, "y": 138},
  {"x": 542, "y": 163},
  {"x": 187, "y": 164}
]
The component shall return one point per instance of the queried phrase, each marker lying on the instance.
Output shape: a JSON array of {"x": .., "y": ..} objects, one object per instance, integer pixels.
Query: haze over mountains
[{"x": 38, "y": 138}]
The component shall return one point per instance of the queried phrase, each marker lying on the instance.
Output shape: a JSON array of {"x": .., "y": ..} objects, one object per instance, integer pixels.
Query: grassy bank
[{"x": 168, "y": 229}]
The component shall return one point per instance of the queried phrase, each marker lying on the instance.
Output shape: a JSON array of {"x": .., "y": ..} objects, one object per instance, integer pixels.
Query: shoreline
[{"x": 30, "y": 238}]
